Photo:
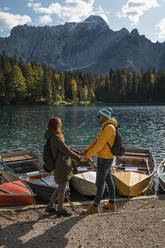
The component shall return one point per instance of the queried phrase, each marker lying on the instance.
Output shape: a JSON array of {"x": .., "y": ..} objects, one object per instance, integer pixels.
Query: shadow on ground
[{"x": 17, "y": 235}]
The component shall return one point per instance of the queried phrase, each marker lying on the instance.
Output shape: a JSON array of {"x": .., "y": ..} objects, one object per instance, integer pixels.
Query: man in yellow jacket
[{"x": 99, "y": 146}]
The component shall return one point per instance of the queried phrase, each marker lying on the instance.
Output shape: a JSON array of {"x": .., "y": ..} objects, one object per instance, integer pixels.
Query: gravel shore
[{"x": 138, "y": 223}]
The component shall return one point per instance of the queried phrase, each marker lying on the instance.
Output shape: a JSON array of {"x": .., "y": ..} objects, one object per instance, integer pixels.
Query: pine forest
[{"x": 31, "y": 83}]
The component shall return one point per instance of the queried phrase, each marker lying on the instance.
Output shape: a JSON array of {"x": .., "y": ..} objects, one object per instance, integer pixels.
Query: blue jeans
[{"x": 104, "y": 175}]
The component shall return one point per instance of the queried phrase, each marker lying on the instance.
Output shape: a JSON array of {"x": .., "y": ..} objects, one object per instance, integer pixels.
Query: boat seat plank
[
  {"x": 23, "y": 170},
  {"x": 122, "y": 167},
  {"x": 21, "y": 165},
  {"x": 136, "y": 154},
  {"x": 132, "y": 160},
  {"x": 18, "y": 157},
  {"x": 129, "y": 168},
  {"x": 132, "y": 168},
  {"x": 119, "y": 166},
  {"x": 20, "y": 161}
]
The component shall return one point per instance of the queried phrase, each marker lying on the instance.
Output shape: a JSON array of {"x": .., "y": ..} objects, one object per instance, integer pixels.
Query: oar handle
[{"x": 8, "y": 168}]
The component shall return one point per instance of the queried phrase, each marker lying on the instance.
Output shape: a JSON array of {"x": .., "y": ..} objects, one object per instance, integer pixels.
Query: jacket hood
[
  {"x": 48, "y": 133},
  {"x": 112, "y": 121}
]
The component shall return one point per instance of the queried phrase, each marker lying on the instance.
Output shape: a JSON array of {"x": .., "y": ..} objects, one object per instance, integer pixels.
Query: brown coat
[{"x": 62, "y": 155}]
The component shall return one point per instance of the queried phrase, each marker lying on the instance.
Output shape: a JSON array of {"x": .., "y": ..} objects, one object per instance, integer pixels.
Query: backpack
[
  {"x": 118, "y": 148},
  {"x": 49, "y": 162}
]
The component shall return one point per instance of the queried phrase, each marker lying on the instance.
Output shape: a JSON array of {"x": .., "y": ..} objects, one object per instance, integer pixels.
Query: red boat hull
[{"x": 15, "y": 193}]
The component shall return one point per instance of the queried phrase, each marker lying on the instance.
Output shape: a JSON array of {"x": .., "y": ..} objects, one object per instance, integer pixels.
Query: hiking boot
[
  {"x": 110, "y": 206},
  {"x": 63, "y": 213},
  {"x": 92, "y": 209},
  {"x": 50, "y": 210}
]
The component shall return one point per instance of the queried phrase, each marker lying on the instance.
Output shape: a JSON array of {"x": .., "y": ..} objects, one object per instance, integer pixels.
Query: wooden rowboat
[
  {"x": 84, "y": 182},
  {"x": 133, "y": 172},
  {"x": 22, "y": 161},
  {"x": 27, "y": 165},
  {"x": 161, "y": 175},
  {"x": 13, "y": 191},
  {"x": 43, "y": 185}
]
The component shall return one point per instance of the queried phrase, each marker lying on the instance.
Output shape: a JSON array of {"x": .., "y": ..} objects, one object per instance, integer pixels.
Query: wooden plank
[
  {"x": 20, "y": 161},
  {"x": 17, "y": 158},
  {"x": 132, "y": 158},
  {"x": 136, "y": 154},
  {"x": 124, "y": 167}
]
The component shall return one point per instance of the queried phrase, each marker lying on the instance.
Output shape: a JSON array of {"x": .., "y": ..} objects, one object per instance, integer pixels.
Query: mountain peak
[
  {"x": 95, "y": 18},
  {"x": 135, "y": 32},
  {"x": 89, "y": 46},
  {"x": 95, "y": 21}
]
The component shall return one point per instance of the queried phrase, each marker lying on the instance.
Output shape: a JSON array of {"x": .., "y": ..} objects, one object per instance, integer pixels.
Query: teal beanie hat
[{"x": 105, "y": 113}]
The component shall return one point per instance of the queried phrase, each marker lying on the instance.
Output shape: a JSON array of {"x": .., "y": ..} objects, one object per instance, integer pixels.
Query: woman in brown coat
[{"x": 63, "y": 172}]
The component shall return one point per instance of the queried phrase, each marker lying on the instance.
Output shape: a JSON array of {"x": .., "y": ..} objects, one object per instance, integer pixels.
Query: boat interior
[
  {"x": 23, "y": 161},
  {"x": 6, "y": 177},
  {"x": 135, "y": 161}
]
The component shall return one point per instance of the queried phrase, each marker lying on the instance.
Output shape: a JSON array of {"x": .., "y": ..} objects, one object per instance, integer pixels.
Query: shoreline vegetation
[
  {"x": 31, "y": 83},
  {"x": 81, "y": 103}
]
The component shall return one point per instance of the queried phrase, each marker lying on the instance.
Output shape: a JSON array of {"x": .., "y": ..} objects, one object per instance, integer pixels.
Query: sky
[{"x": 148, "y": 16}]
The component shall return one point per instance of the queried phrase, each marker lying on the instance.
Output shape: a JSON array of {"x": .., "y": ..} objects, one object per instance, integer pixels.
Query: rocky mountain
[{"x": 87, "y": 46}]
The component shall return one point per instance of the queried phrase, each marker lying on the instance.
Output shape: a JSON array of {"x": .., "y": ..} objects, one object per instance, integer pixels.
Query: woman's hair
[{"x": 54, "y": 123}]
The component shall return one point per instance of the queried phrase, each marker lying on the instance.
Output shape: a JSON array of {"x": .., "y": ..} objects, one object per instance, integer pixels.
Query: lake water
[{"x": 24, "y": 126}]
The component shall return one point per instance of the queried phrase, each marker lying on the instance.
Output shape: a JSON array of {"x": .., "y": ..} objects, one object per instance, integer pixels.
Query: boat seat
[
  {"x": 138, "y": 154},
  {"x": 129, "y": 168},
  {"x": 19, "y": 161},
  {"x": 133, "y": 160},
  {"x": 141, "y": 169},
  {"x": 123, "y": 166}
]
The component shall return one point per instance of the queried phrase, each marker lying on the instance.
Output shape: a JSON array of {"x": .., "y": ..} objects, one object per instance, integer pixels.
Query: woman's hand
[
  {"x": 82, "y": 153},
  {"x": 83, "y": 158}
]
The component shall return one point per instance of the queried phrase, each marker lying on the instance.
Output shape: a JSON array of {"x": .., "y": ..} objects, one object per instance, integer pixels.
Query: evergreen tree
[
  {"x": 17, "y": 84},
  {"x": 47, "y": 85},
  {"x": 30, "y": 82},
  {"x": 2, "y": 83},
  {"x": 68, "y": 86}
]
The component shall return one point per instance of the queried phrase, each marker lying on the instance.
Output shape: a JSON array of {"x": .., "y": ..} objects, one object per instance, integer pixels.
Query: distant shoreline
[{"x": 73, "y": 103}]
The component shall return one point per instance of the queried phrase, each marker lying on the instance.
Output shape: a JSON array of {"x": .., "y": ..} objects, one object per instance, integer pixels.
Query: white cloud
[
  {"x": 45, "y": 19},
  {"x": 133, "y": 9},
  {"x": 72, "y": 10},
  {"x": 161, "y": 26},
  {"x": 34, "y": 5},
  {"x": 8, "y": 20}
]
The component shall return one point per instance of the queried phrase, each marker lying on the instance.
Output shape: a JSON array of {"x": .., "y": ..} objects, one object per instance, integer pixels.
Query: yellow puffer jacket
[{"x": 99, "y": 145}]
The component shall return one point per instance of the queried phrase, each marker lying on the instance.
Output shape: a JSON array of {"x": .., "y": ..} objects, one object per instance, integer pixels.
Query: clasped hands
[{"x": 83, "y": 156}]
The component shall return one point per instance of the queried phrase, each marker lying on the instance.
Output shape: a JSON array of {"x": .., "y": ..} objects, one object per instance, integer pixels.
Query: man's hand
[
  {"x": 82, "y": 153},
  {"x": 84, "y": 158}
]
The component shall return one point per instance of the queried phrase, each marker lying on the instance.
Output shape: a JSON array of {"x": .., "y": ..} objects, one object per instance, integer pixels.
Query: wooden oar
[{"x": 8, "y": 168}]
